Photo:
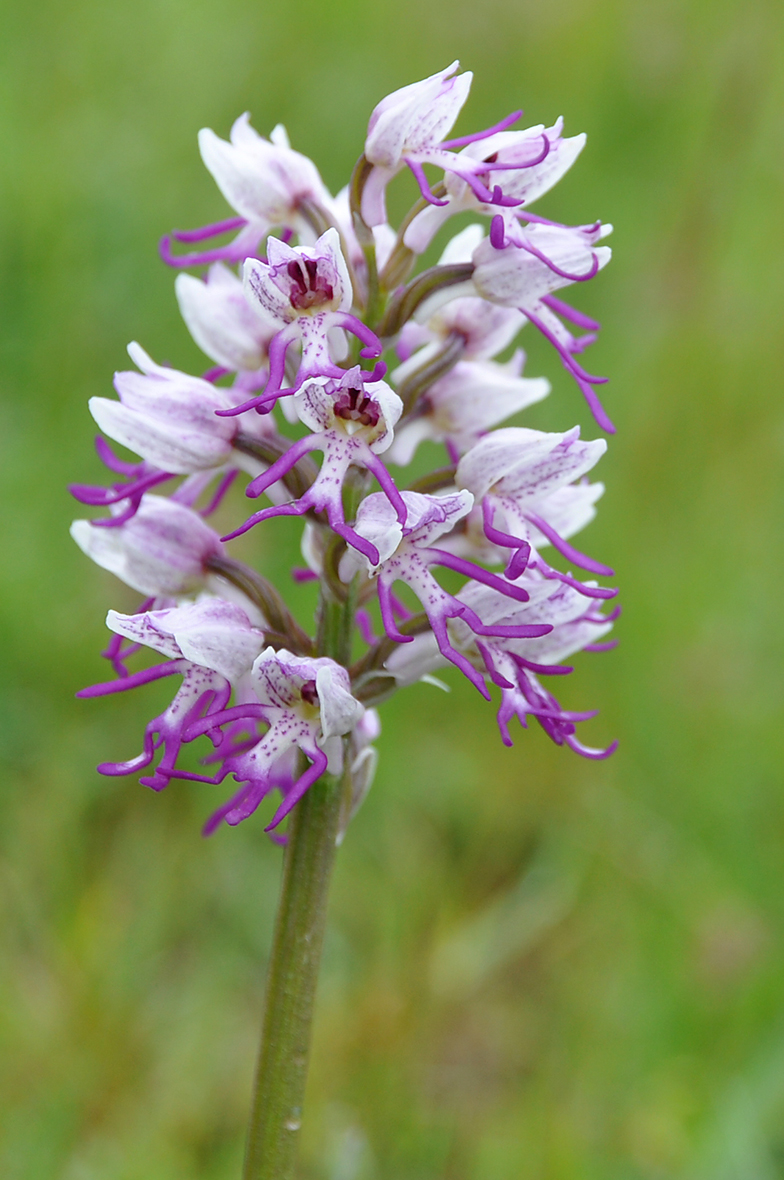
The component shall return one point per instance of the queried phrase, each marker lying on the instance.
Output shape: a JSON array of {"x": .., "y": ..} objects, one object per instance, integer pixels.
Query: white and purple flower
[
  {"x": 264, "y": 180},
  {"x": 307, "y": 294},
  {"x": 352, "y": 423},
  {"x": 406, "y": 552},
  {"x": 523, "y": 272},
  {"x": 520, "y": 477}
]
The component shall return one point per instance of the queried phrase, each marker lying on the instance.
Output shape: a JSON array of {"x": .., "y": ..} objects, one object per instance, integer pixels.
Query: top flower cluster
[{"x": 324, "y": 294}]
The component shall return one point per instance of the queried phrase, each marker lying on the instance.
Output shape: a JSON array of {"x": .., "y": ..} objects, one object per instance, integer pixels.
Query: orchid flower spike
[{"x": 303, "y": 292}]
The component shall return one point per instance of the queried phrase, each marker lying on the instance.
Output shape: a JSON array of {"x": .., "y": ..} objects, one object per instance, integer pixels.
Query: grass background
[{"x": 537, "y": 968}]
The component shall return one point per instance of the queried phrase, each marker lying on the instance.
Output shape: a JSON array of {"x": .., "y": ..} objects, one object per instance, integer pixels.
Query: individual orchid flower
[
  {"x": 353, "y": 423},
  {"x": 514, "y": 665},
  {"x": 162, "y": 551},
  {"x": 514, "y": 473},
  {"x": 170, "y": 418},
  {"x": 523, "y": 273},
  {"x": 407, "y": 128},
  {"x": 306, "y": 293},
  {"x": 230, "y": 330},
  {"x": 470, "y": 399},
  {"x": 523, "y": 164},
  {"x": 307, "y": 704},
  {"x": 566, "y": 510},
  {"x": 265, "y": 181},
  {"x": 406, "y": 551},
  {"x": 212, "y": 645}
]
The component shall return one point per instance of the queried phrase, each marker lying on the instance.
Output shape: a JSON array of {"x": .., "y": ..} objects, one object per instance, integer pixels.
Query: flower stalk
[
  {"x": 279, "y": 1090},
  {"x": 281, "y": 1075}
]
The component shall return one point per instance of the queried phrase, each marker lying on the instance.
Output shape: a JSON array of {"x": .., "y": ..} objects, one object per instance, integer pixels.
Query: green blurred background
[{"x": 537, "y": 967}]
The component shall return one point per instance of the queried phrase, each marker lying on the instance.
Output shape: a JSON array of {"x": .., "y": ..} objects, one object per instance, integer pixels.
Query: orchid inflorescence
[{"x": 303, "y": 336}]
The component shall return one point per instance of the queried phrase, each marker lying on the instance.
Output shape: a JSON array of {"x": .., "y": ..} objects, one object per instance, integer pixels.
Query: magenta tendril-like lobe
[
  {"x": 522, "y": 549},
  {"x": 208, "y": 231},
  {"x": 464, "y": 140},
  {"x": 584, "y": 380},
  {"x": 110, "y": 460},
  {"x": 134, "y": 681},
  {"x": 497, "y": 232},
  {"x": 418, "y": 173},
  {"x": 591, "y": 273},
  {"x": 568, "y": 551},
  {"x": 450, "y": 561},
  {"x": 220, "y": 492},
  {"x": 570, "y": 313}
]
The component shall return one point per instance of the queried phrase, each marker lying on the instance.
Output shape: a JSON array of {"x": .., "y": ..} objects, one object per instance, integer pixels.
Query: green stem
[{"x": 276, "y": 1114}]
